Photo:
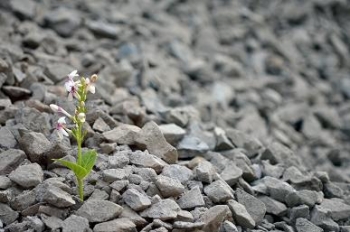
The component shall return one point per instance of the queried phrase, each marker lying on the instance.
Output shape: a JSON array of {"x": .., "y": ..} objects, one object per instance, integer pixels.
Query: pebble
[
  {"x": 191, "y": 199},
  {"x": 27, "y": 176},
  {"x": 99, "y": 210},
  {"x": 241, "y": 215},
  {"x": 168, "y": 186},
  {"x": 164, "y": 210},
  {"x": 253, "y": 205},
  {"x": 136, "y": 200}
]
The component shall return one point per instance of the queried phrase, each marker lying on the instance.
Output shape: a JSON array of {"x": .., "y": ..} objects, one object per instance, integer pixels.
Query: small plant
[{"x": 85, "y": 161}]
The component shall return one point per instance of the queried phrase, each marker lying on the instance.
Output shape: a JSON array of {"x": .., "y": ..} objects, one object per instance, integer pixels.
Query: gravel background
[{"x": 208, "y": 115}]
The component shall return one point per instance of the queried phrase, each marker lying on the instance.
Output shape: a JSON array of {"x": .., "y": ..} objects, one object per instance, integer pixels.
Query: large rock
[
  {"x": 168, "y": 186},
  {"x": 53, "y": 195},
  {"x": 191, "y": 199},
  {"x": 7, "y": 215},
  {"x": 35, "y": 145},
  {"x": 241, "y": 215},
  {"x": 214, "y": 217},
  {"x": 143, "y": 159},
  {"x": 254, "y": 206},
  {"x": 27, "y": 176},
  {"x": 99, "y": 210},
  {"x": 75, "y": 224},
  {"x": 116, "y": 225},
  {"x": 10, "y": 159},
  {"x": 163, "y": 210},
  {"x": 152, "y": 139},
  {"x": 136, "y": 200}
]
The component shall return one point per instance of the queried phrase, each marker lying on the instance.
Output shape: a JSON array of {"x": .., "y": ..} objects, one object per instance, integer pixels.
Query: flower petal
[
  {"x": 64, "y": 132},
  {"x": 62, "y": 120},
  {"x": 92, "y": 88},
  {"x": 54, "y": 107}
]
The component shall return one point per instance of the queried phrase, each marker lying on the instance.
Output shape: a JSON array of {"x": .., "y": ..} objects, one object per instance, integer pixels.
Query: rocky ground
[{"x": 208, "y": 115}]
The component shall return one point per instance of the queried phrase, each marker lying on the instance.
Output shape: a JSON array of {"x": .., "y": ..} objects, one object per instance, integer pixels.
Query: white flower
[
  {"x": 60, "y": 127},
  {"x": 59, "y": 109},
  {"x": 90, "y": 86},
  {"x": 81, "y": 117},
  {"x": 72, "y": 86}
]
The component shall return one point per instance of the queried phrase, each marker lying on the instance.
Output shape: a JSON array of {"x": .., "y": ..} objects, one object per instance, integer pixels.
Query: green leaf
[
  {"x": 88, "y": 160},
  {"x": 78, "y": 170}
]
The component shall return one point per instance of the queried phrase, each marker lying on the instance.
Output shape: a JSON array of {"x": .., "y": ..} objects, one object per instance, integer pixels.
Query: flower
[
  {"x": 61, "y": 123},
  {"x": 81, "y": 117},
  {"x": 72, "y": 86},
  {"x": 59, "y": 109},
  {"x": 90, "y": 86}
]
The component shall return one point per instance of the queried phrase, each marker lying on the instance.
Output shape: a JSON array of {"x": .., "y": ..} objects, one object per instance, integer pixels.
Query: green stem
[{"x": 81, "y": 188}]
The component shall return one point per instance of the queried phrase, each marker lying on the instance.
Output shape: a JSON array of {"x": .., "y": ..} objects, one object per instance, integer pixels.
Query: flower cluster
[
  {"x": 78, "y": 90},
  {"x": 85, "y": 161}
]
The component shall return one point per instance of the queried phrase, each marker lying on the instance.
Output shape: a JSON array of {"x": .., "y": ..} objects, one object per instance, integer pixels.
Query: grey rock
[
  {"x": 331, "y": 190},
  {"x": 295, "y": 176},
  {"x": 7, "y": 139},
  {"x": 312, "y": 128},
  {"x": 5, "y": 182},
  {"x": 118, "y": 160},
  {"x": 303, "y": 225},
  {"x": 75, "y": 224},
  {"x": 143, "y": 159},
  {"x": 163, "y": 210},
  {"x": 222, "y": 142},
  {"x": 191, "y": 199},
  {"x": 133, "y": 216},
  {"x": 33, "y": 120},
  {"x": 301, "y": 211},
  {"x": 119, "y": 185},
  {"x": 100, "y": 125},
  {"x": 278, "y": 153},
  {"x": 104, "y": 29},
  {"x": 240, "y": 214},
  {"x": 188, "y": 225},
  {"x": 35, "y": 145},
  {"x": 116, "y": 225},
  {"x": 242, "y": 140},
  {"x": 98, "y": 194},
  {"x": 10, "y": 159},
  {"x": 191, "y": 146},
  {"x": 23, "y": 200},
  {"x": 219, "y": 191},
  {"x": 123, "y": 134},
  {"x": 57, "y": 71},
  {"x": 136, "y": 200},
  {"x": 27, "y": 176},
  {"x": 24, "y": 9},
  {"x": 275, "y": 171},
  {"x": 254, "y": 206},
  {"x": 53, "y": 195},
  {"x": 228, "y": 226},
  {"x": 99, "y": 210},
  {"x": 35, "y": 223},
  {"x": 272, "y": 206},
  {"x": 110, "y": 175},
  {"x": 328, "y": 117},
  {"x": 337, "y": 209},
  {"x": 152, "y": 139},
  {"x": 231, "y": 174},
  {"x": 307, "y": 197},
  {"x": 168, "y": 186},
  {"x": 214, "y": 217},
  {"x": 321, "y": 217},
  {"x": 179, "y": 172},
  {"x": 205, "y": 172},
  {"x": 184, "y": 216},
  {"x": 172, "y": 133},
  {"x": 17, "y": 226},
  {"x": 15, "y": 92},
  {"x": 63, "y": 20},
  {"x": 52, "y": 222},
  {"x": 7, "y": 215}
]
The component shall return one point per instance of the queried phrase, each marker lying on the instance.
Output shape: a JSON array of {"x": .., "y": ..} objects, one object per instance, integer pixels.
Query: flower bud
[
  {"x": 54, "y": 107},
  {"x": 94, "y": 78},
  {"x": 81, "y": 117}
]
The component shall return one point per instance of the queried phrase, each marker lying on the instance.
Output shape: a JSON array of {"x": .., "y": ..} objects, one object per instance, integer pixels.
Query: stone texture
[
  {"x": 254, "y": 206},
  {"x": 143, "y": 159},
  {"x": 168, "y": 186},
  {"x": 7, "y": 215},
  {"x": 10, "y": 159},
  {"x": 214, "y": 217},
  {"x": 27, "y": 176},
  {"x": 136, "y": 200},
  {"x": 240, "y": 214},
  {"x": 35, "y": 145},
  {"x": 99, "y": 210},
  {"x": 219, "y": 191},
  {"x": 120, "y": 224},
  {"x": 191, "y": 199},
  {"x": 163, "y": 210},
  {"x": 75, "y": 224}
]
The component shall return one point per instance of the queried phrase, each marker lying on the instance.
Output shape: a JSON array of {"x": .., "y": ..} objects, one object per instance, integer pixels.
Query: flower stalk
[{"x": 85, "y": 161}]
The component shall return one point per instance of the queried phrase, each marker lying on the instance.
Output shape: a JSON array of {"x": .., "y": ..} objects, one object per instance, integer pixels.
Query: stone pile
[{"x": 208, "y": 115}]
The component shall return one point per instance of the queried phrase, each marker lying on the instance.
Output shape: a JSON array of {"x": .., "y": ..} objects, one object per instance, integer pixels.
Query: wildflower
[
  {"x": 81, "y": 117},
  {"x": 61, "y": 127},
  {"x": 90, "y": 86},
  {"x": 59, "y": 109},
  {"x": 72, "y": 86}
]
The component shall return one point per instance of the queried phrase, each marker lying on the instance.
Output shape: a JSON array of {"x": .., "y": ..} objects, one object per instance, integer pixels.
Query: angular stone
[
  {"x": 272, "y": 206},
  {"x": 241, "y": 215},
  {"x": 133, "y": 216},
  {"x": 75, "y": 224},
  {"x": 110, "y": 175},
  {"x": 320, "y": 217},
  {"x": 15, "y": 92},
  {"x": 7, "y": 139},
  {"x": 179, "y": 172},
  {"x": 304, "y": 225},
  {"x": 123, "y": 134},
  {"x": 205, "y": 171},
  {"x": 100, "y": 125},
  {"x": 242, "y": 140},
  {"x": 307, "y": 197},
  {"x": 152, "y": 139},
  {"x": 191, "y": 199},
  {"x": 172, "y": 133},
  {"x": 63, "y": 20},
  {"x": 231, "y": 174},
  {"x": 301, "y": 211},
  {"x": 214, "y": 217},
  {"x": 35, "y": 145},
  {"x": 34, "y": 120},
  {"x": 337, "y": 209},
  {"x": 10, "y": 159},
  {"x": 57, "y": 71},
  {"x": 120, "y": 224},
  {"x": 27, "y": 176},
  {"x": 35, "y": 223},
  {"x": 23, "y": 9},
  {"x": 163, "y": 210},
  {"x": 23, "y": 200},
  {"x": 191, "y": 146},
  {"x": 219, "y": 192},
  {"x": 143, "y": 159},
  {"x": 118, "y": 160},
  {"x": 254, "y": 206},
  {"x": 104, "y": 29},
  {"x": 278, "y": 153},
  {"x": 99, "y": 210},
  {"x": 5, "y": 182},
  {"x": 136, "y": 200},
  {"x": 52, "y": 222},
  {"x": 7, "y": 215},
  {"x": 53, "y": 195},
  {"x": 276, "y": 188},
  {"x": 188, "y": 225},
  {"x": 168, "y": 186}
]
